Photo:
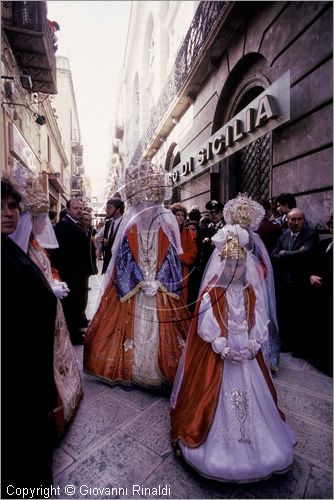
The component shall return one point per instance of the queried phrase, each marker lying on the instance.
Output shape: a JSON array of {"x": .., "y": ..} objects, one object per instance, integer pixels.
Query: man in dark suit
[
  {"x": 115, "y": 210},
  {"x": 215, "y": 209},
  {"x": 321, "y": 280},
  {"x": 73, "y": 261},
  {"x": 292, "y": 258}
]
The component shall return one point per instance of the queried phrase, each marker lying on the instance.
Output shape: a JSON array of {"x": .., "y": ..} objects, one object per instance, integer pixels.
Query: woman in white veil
[
  {"x": 225, "y": 421},
  {"x": 137, "y": 333},
  {"x": 35, "y": 235},
  {"x": 248, "y": 213}
]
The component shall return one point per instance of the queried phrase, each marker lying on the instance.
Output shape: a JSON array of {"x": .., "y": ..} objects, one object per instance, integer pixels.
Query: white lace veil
[
  {"x": 41, "y": 227},
  {"x": 147, "y": 217},
  {"x": 43, "y": 231},
  {"x": 260, "y": 251},
  {"x": 224, "y": 272},
  {"x": 145, "y": 188},
  {"x": 21, "y": 235}
]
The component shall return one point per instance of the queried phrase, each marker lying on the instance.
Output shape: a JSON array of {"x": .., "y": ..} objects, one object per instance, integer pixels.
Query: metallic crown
[
  {"x": 232, "y": 248},
  {"x": 34, "y": 200},
  {"x": 244, "y": 211},
  {"x": 144, "y": 183}
]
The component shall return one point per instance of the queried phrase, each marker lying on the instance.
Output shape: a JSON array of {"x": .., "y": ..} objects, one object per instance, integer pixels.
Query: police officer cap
[{"x": 214, "y": 205}]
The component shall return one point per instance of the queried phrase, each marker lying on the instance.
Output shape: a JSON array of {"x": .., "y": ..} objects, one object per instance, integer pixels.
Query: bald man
[
  {"x": 74, "y": 262},
  {"x": 292, "y": 258}
]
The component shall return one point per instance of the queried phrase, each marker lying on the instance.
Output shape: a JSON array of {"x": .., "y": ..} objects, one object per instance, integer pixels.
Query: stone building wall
[{"x": 273, "y": 38}]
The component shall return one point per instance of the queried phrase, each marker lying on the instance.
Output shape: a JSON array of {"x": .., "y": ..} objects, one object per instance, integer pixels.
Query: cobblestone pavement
[{"x": 120, "y": 439}]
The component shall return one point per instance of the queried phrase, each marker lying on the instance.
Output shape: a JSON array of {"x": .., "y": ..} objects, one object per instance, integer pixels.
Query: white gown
[
  {"x": 145, "y": 369},
  {"x": 248, "y": 440}
]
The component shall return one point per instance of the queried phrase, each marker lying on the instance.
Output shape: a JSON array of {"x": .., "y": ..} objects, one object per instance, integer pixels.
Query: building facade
[
  {"x": 30, "y": 133},
  {"x": 68, "y": 121},
  {"x": 240, "y": 101}
]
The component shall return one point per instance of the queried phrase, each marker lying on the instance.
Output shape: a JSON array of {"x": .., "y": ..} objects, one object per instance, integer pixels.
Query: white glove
[
  {"x": 253, "y": 346},
  {"x": 150, "y": 288},
  {"x": 219, "y": 344},
  {"x": 60, "y": 289},
  {"x": 246, "y": 354},
  {"x": 251, "y": 350},
  {"x": 231, "y": 355}
]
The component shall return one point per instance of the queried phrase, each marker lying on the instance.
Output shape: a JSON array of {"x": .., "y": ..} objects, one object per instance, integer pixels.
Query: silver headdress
[
  {"x": 35, "y": 207},
  {"x": 244, "y": 211},
  {"x": 146, "y": 183},
  {"x": 34, "y": 200}
]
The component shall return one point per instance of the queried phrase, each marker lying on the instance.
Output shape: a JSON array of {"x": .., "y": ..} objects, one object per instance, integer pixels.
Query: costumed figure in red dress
[
  {"x": 225, "y": 421},
  {"x": 138, "y": 332}
]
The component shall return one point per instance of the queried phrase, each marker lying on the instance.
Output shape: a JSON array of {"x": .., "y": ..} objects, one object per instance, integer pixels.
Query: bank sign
[{"x": 268, "y": 111}]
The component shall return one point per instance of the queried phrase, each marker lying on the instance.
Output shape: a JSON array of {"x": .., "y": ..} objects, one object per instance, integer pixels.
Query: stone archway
[{"x": 248, "y": 170}]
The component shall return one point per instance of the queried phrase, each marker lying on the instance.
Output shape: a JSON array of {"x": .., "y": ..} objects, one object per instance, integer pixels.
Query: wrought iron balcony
[
  {"x": 207, "y": 17},
  {"x": 31, "y": 40}
]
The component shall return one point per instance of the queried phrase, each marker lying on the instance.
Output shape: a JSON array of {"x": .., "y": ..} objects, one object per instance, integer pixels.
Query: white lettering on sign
[{"x": 264, "y": 113}]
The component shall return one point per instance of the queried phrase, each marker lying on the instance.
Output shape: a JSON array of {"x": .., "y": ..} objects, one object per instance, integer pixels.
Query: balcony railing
[
  {"x": 31, "y": 40},
  {"x": 205, "y": 20}
]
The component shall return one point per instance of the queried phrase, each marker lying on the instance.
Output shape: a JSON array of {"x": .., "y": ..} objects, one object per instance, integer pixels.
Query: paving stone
[
  {"x": 309, "y": 381},
  {"x": 121, "y": 438},
  {"x": 137, "y": 397},
  {"x": 151, "y": 427},
  {"x": 319, "y": 484},
  {"x": 185, "y": 482},
  {"x": 289, "y": 485},
  {"x": 93, "y": 387},
  {"x": 314, "y": 443},
  {"x": 118, "y": 463},
  {"x": 312, "y": 369},
  {"x": 79, "y": 353},
  {"x": 296, "y": 363},
  {"x": 306, "y": 405},
  {"x": 61, "y": 460},
  {"x": 98, "y": 419}
]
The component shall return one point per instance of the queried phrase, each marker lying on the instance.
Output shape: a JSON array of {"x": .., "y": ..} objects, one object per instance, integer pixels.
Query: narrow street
[{"x": 119, "y": 439}]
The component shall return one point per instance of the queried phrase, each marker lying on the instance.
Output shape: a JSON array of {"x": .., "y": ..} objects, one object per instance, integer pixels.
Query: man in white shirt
[{"x": 115, "y": 210}]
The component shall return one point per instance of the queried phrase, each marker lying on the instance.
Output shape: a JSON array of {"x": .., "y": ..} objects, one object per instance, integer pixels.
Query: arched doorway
[
  {"x": 248, "y": 170},
  {"x": 253, "y": 162}
]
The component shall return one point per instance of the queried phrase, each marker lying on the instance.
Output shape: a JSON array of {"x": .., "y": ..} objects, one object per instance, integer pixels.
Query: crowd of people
[{"x": 198, "y": 306}]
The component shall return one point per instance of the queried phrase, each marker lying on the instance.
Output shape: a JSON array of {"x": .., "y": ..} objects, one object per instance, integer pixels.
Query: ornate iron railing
[{"x": 206, "y": 17}]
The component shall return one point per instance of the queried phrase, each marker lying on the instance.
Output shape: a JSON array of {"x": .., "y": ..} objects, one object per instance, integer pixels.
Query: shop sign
[
  {"x": 265, "y": 113},
  {"x": 20, "y": 149}
]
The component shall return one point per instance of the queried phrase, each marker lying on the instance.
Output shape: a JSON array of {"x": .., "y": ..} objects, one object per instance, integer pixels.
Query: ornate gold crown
[
  {"x": 232, "y": 248},
  {"x": 230, "y": 242},
  {"x": 146, "y": 183},
  {"x": 34, "y": 200},
  {"x": 244, "y": 211}
]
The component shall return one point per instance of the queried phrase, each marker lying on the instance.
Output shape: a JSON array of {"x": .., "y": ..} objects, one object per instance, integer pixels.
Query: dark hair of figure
[
  {"x": 286, "y": 199},
  {"x": 9, "y": 189}
]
